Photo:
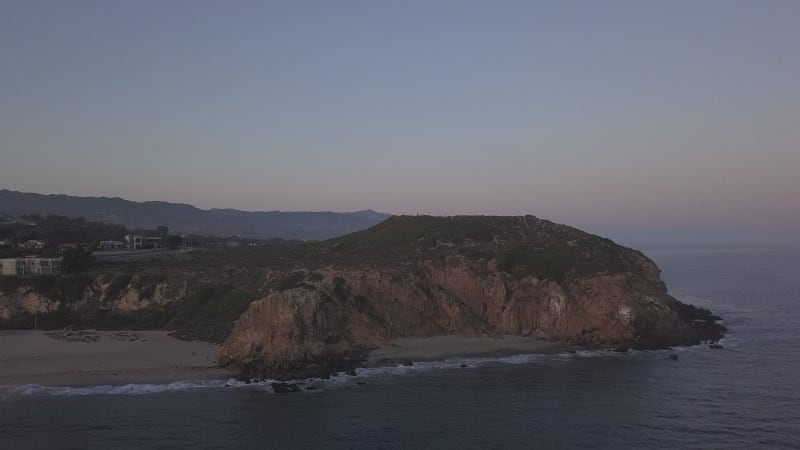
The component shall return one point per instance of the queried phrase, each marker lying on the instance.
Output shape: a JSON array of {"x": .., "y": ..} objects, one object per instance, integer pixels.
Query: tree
[
  {"x": 163, "y": 231},
  {"x": 76, "y": 261},
  {"x": 173, "y": 241}
]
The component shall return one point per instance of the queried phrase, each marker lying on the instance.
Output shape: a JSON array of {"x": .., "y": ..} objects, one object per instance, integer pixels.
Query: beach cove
[
  {"x": 80, "y": 358},
  {"x": 89, "y": 357}
]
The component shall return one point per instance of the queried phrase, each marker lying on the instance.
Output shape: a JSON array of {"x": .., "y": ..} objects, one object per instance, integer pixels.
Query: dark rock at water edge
[
  {"x": 284, "y": 388},
  {"x": 299, "y": 366}
]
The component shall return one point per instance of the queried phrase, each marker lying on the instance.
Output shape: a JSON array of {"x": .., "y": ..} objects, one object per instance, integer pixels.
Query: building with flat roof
[
  {"x": 32, "y": 244},
  {"x": 111, "y": 245},
  {"x": 135, "y": 241},
  {"x": 30, "y": 266}
]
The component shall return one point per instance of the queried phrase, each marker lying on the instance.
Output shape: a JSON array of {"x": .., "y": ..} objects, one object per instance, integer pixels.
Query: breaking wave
[
  {"x": 31, "y": 390},
  {"x": 363, "y": 375}
]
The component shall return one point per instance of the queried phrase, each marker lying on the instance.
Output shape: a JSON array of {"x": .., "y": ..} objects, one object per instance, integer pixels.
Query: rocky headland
[{"x": 312, "y": 309}]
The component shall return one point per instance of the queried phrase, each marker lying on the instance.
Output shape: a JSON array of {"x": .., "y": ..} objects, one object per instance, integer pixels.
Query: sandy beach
[
  {"x": 440, "y": 348},
  {"x": 86, "y": 358}
]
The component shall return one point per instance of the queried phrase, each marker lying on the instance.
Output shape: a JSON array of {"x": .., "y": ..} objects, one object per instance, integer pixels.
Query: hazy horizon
[
  {"x": 621, "y": 118},
  {"x": 622, "y": 233}
]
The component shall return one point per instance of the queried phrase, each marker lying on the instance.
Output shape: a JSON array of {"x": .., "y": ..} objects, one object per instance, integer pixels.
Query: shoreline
[
  {"x": 79, "y": 358},
  {"x": 82, "y": 358},
  {"x": 447, "y": 348}
]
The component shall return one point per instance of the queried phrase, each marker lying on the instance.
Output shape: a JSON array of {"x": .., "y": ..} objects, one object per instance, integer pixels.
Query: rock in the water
[
  {"x": 673, "y": 357},
  {"x": 716, "y": 346},
  {"x": 284, "y": 388},
  {"x": 464, "y": 366}
]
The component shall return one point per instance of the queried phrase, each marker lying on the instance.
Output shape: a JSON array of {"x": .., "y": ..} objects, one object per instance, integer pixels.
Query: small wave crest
[
  {"x": 37, "y": 390},
  {"x": 363, "y": 375}
]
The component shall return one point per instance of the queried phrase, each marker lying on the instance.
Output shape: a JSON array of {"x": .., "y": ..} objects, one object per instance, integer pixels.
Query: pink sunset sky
[{"x": 624, "y": 118}]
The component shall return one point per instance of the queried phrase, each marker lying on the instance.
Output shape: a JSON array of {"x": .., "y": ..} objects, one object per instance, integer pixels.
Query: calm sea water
[{"x": 745, "y": 396}]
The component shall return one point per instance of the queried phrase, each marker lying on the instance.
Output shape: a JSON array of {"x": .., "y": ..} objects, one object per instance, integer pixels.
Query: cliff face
[
  {"x": 294, "y": 311},
  {"x": 526, "y": 277},
  {"x": 57, "y": 301}
]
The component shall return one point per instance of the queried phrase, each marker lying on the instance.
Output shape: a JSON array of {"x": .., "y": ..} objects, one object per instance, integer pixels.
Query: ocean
[{"x": 744, "y": 396}]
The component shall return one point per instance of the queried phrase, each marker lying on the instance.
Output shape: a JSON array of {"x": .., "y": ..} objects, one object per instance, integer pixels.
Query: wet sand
[
  {"x": 87, "y": 358},
  {"x": 441, "y": 348},
  {"x": 90, "y": 358}
]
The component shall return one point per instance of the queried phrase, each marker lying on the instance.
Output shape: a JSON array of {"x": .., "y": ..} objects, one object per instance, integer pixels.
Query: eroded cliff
[{"x": 477, "y": 276}]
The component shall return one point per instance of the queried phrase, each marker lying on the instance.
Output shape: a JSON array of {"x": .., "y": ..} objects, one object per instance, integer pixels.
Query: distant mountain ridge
[{"x": 184, "y": 218}]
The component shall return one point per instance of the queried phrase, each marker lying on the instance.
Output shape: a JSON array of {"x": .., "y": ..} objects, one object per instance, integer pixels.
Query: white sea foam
[
  {"x": 364, "y": 375},
  {"x": 311, "y": 385},
  {"x": 29, "y": 390}
]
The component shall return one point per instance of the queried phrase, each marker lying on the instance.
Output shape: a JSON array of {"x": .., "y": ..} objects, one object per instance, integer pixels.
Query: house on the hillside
[
  {"x": 190, "y": 240},
  {"x": 135, "y": 242},
  {"x": 32, "y": 244},
  {"x": 110, "y": 245},
  {"x": 30, "y": 266}
]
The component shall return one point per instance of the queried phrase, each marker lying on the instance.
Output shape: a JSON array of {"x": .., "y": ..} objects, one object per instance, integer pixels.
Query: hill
[{"x": 183, "y": 218}]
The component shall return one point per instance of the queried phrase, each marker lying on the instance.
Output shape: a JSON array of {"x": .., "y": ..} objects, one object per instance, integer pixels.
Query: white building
[
  {"x": 32, "y": 244},
  {"x": 106, "y": 245},
  {"x": 135, "y": 241},
  {"x": 8, "y": 266},
  {"x": 30, "y": 266}
]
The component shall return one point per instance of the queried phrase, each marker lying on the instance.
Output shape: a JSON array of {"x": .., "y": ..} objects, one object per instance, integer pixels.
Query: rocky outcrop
[
  {"x": 313, "y": 322},
  {"x": 58, "y": 301}
]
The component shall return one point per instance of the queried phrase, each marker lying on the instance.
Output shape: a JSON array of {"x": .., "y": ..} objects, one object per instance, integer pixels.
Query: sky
[{"x": 628, "y": 118}]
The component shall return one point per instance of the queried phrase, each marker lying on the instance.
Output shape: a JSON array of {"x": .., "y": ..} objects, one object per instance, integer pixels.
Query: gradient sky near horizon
[{"x": 615, "y": 116}]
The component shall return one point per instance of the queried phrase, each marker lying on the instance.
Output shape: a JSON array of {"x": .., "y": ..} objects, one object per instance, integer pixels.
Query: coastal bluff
[
  {"x": 315, "y": 308},
  {"x": 469, "y": 276}
]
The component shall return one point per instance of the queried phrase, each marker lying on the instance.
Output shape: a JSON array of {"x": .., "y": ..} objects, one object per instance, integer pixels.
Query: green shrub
[
  {"x": 146, "y": 284},
  {"x": 340, "y": 289},
  {"x": 552, "y": 262},
  {"x": 291, "y": 281},
  {"x": 120, "y": 282},
  {"x": 209, "y": 312}
]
